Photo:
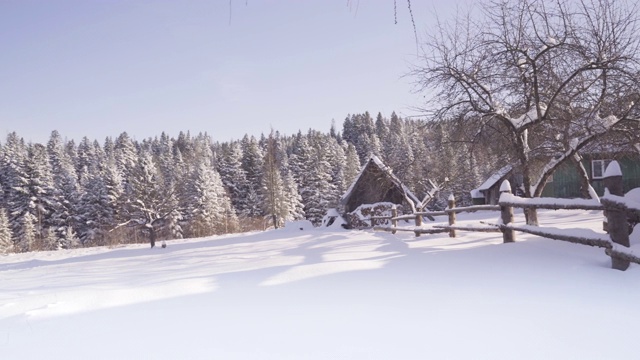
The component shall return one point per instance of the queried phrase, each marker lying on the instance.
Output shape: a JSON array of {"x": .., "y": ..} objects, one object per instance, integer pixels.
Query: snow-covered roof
[
  {"x": 493, "y": 179},
  {"x": 387, "y": 170},
  {"x": 476, "y": 194}
]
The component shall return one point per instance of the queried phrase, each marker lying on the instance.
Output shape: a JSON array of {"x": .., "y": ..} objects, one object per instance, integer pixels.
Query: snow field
[{"x": 325, "y": 294}]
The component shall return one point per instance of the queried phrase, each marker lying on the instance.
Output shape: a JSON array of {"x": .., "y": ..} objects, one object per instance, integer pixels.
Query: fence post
[
  {"x": 394, "y": 221},
  {"x": 617, "y": 223},
  {"x": 506, "y": 213},
  {"x": 452, "y": 215},
  {"x": 418, "y": 222}
]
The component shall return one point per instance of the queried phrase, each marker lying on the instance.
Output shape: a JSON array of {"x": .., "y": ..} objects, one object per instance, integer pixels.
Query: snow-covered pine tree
[
  {"x": 252, "y": 166},
  {"x": 96, "y": 213},
  {"x": 146, "y": 202},
  {"x": 6, "y": 241},
  {"x": 233, "y": 175},
  {"x": 362, "y": 134},
  {"x": 275, "y": 202},
  {"x": 40, "y": 190},
  {"x": 209, "y": 203},
  {"x": 315, "y": 187},
  {"x": 418, "y": 176},
  {"x": 68, "y": 239},
  {"x": 50, "y": 240},
  {"x": 171, "y": 173},
  {"x": 26, "y": 240},
  {"x": 317, "y": 191},
  {"x": 15, "y": 183},
  {"x": 294, "y": 199},
  {"x": 399, "y": 155},
  {"x": 126, "y": 156},
  {"x": 382, "y": 130},
  {"x": 352, "y": 165},
  {"x": 334, "y": 154},
  {"x": 3, "y": 202},
  {"x": 66, "y": 191},
  {"x": 300, "y": 159},
  {"x": 86, "y": 157}
]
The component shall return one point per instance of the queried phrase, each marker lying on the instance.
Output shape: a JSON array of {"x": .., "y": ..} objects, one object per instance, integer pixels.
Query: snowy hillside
[{"x": 324, "y": 294}]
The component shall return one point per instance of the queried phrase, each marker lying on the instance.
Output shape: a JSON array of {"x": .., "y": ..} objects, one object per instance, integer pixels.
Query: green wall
[{"x": 566, "y": 181}]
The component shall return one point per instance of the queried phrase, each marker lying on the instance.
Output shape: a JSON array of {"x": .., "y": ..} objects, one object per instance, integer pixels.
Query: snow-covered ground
[{"x": 325, "y": 294}]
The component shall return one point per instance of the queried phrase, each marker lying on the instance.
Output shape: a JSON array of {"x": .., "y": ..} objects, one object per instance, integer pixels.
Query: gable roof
[
  {"x": 375, "y": 161},
  {"x": 494, "y": 178}
]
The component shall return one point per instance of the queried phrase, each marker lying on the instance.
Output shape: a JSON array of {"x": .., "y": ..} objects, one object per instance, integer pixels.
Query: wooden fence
[{"x": 619, "y": 213}]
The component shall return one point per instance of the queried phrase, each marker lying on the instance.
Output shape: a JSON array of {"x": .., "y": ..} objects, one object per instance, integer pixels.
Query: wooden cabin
[
  {"x": 489, "y": 191},
  {"x": 376, "y": 185}
]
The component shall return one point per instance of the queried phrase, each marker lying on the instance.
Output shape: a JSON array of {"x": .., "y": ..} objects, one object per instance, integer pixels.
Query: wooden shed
[
  {"x": 376, "y": 183},
  {"x": 489, "y": 191}
]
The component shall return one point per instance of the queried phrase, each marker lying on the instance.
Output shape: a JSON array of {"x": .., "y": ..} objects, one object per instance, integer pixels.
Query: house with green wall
[{"x": 565, "y": 182}]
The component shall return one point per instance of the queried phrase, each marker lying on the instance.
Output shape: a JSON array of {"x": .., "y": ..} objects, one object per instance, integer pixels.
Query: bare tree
[{"x": 550, "y": 77}]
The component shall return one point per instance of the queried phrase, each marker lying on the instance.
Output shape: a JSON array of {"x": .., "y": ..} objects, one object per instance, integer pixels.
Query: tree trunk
[
  {"x": 584, "y": 178},
  {"x": 152, "y": 236}
]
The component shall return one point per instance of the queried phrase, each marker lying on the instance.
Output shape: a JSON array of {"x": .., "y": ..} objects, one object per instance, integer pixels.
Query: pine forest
[{"x": 62, "y": 195}]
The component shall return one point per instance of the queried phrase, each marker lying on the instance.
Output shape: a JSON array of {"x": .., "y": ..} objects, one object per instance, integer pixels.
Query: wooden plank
[
  {"x": 549, "y": 203},
  {"x": 473, "y": 208},
  {"x": 413, "y": 230},
  {"x": 563, "y": 237},
  {"x": 431, "y": 213},
  {"x": 469, "y": 228}
]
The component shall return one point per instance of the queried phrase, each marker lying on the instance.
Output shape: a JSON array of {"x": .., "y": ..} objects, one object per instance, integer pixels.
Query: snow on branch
[{"x": 575, "y": 144}]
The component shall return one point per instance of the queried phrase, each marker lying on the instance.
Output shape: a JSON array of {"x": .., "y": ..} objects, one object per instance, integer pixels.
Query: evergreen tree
[
  {"x": 40, "y": 190},
  {"x": 361, "y": 132},
  {"x": 252, "y": 166},
  {"x": 418, "y": 176},
  {"x": 317, "y": 191},
  {"x": 66, "y": 192},
  {"x": 15, "y": 183},
  {"x": 145, "y": 201},
  {"x": 352, "y": 165},
  {"x": 26, "y": 240},
  {"x": 399, "y": 153},
  {"x": 126, "y": 155},
  {"x": 211, "y": 210},
  {"x": 6, "y": 241},
  {"x": 85, "y": 158},
  {"x": 68, "y": 239},
  {"x": 97, "y": 213},
  {"x": 50, "y": 240},
  {"x": 313, "y": 174},
  {"x": 275, "y": 202},
  {"x": 233, "y": 175},
  {"x": 383, "y": 132},
  {"x": 294, "y": 199},
  {"x": 334, "y": 154}
]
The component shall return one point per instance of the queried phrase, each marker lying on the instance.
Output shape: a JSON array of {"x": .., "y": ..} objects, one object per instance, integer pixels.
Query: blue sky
[{"x": 97, "y": 68}]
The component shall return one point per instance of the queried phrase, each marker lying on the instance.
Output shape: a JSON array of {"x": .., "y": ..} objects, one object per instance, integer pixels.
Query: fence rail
[{"x": 618, "y": 211}]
